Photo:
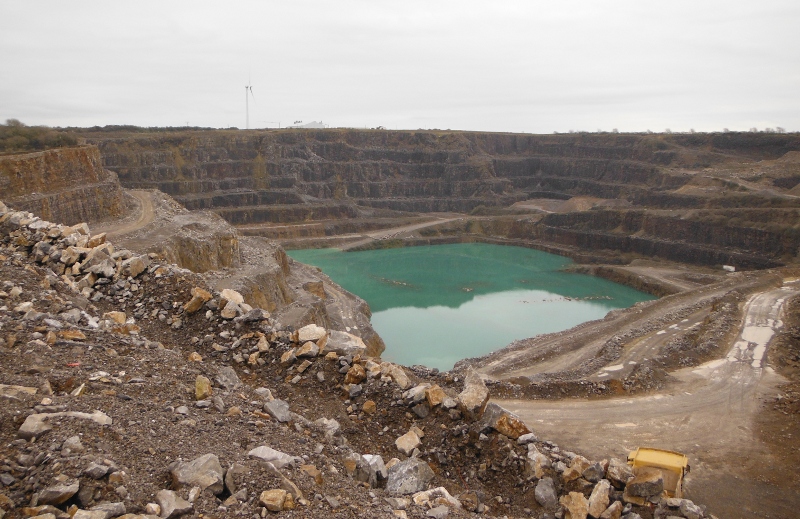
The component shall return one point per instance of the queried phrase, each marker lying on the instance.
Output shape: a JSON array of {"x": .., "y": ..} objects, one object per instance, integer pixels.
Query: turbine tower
[{"x": 248, "y": 91}]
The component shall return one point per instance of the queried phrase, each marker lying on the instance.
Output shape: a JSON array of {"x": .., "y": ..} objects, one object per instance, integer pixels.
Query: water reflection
[{"x": 435, "y": 305}]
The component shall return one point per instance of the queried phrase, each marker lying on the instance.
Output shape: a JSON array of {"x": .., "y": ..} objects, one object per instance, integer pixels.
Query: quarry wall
[
  {"x": 69, "y": 185},
  {"x": 301, "y": 176}
]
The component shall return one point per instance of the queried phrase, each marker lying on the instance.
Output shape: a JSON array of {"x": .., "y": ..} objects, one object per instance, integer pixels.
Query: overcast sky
[{"x": 519, "y": 66}]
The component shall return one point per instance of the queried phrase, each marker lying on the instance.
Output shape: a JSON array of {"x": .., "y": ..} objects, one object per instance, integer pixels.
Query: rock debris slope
[{"x": 131, "y": 389}]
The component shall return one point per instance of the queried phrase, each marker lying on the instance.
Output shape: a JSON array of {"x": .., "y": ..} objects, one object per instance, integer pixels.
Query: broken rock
[
  {"x": 277, "y": 458},
  {"x": 576, "y": 506},
  {"x": 172, "y": 505},
  {"x": 57, "y": 494},
  {"x": 545, "y": 493},
  {"x": 408, "y": 477},
  {"x": 505, "y": 422},
  {"x": 407, "y": 443},
  {"x": 472, "y": 400},
  {"x": 204, "y": 472}
]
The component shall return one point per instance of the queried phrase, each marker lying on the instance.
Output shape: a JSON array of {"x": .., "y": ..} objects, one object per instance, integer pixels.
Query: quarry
[{"x": 163, "y": 356}]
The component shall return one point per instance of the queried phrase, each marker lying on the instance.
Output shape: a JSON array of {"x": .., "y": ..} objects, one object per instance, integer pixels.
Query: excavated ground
[{"x": 63, "y": 353}]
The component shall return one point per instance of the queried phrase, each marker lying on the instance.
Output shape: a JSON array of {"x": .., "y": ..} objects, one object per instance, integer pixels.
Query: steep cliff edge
[{"x": 66, "y": 184}]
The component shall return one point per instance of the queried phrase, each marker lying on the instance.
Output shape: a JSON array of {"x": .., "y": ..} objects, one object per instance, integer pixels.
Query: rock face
[
  {"x": 284, "y": 177},
  {"x": 66, "y": 185}
]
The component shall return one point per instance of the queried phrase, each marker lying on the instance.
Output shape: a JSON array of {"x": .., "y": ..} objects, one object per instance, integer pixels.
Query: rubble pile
[{"x": 130, "y": 389}]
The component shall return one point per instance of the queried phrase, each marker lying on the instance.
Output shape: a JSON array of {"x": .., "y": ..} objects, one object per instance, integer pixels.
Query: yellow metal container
[{"x": 673, "y": 466}]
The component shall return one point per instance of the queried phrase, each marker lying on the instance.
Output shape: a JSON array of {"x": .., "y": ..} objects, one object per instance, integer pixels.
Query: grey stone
[
  {"x": 648, "y": 482},
  {"x": 472, "y": 400},
  {"x": 172, "y": 505},
  {"x": 421, "y": 410},
  {"x": 416, "y": 394},
  {"x": 277, "y": 458},
  {"x": 35, "y": 425},
  {"x": 594, "y": 472},
  {"x": 619, "y": 473},
  {"x": 278, "y": 409},
  {"x": 134, "y": 266},
  {"x": 377, "y": 468},
  {"x": 545, "y": 493},
  {"x": 111, "y": 509},
  {"x": 204, "y": 472},
  {"x": 344, "y": 343},
  {"x": 600, "y": 498},
  {"x": 440, "y": 512},
  {"x": 526, "y": 439},
  {"x": 690, "y": 510},
  {"x": 72, "y": 444},
  {"x": 503, "y": 421},
  {"x": 230, "y": 476},
  {"x": 90, "y": 514},
  {"x": 409, "y": 476},
  {"x": 227, "y": 378},
  {"x": 95, "y": 470},
  {"x": 329, "y": 426},
  {"x": 57, "y": 494}
]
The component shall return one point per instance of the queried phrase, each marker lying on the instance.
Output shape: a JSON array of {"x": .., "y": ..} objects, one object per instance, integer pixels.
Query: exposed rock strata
[{"x": 67, "y": 185}]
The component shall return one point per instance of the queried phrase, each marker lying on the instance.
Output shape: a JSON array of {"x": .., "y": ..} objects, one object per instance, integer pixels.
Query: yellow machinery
[{"x": 673, "y": 466}]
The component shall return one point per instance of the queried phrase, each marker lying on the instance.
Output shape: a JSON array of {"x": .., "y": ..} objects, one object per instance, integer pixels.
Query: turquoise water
[{"x": 436, "y": 305}]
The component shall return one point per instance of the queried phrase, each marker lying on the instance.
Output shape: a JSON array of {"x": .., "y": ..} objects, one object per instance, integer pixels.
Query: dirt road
[
  {"x": 707, "y": 413},
  {"x": 396, "y": 232},
  {"x": 143, "y": 216}
]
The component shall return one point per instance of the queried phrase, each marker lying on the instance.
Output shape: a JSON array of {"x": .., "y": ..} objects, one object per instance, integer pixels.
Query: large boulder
[
  {"x": 545, "y": 493},
  {"x": 408, "y": 477},
  {"x": 537, "y": 462},
  {"x": 472, "y": 400},
  {"x": 647, "y": 482},
  {"x": 344, "y": 343},
  {"x": 601, "y": 496},
  {"x": 396, "y": 373},
  {"x": 575, "y": 469},
  {"x": 204, "y": 472},
  {"x": 503, "y": 421},
  {"x": 311, "y": 332},
  {"x": 575, "y": 506},
  {"x": 619, "y": 473}
]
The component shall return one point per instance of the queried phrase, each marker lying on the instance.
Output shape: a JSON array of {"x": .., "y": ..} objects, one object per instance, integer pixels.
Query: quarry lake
[{"x": 436, "y": 305}]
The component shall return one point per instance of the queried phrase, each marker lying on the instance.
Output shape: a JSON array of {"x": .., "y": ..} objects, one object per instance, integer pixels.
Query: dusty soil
[{"x": 722, "y": 413}]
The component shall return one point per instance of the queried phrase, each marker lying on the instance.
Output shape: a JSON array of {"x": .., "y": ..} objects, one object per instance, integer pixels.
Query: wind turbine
[{"x": 248, "y": 91}]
